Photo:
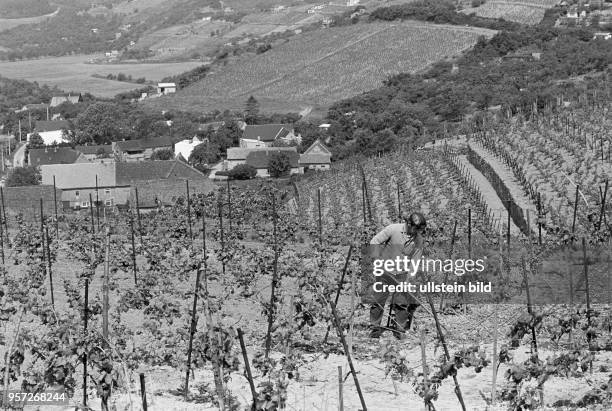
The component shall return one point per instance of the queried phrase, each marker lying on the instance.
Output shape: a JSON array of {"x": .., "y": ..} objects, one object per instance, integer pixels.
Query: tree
[
  {"x": 163, "y": 154},
  {"x": 251, "y": 111},
  {"x": 103, "y": 123},
  {"x": 242, "y": 172},
  {"x": 36, "y": 141},
  {"x": 279, "y": 164},
  {"x": 23, "y": 176},
  {"x": 203, "y": 155}
]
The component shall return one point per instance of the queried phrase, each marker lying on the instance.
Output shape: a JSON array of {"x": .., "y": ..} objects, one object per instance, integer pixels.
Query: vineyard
[
  {"x": 248, "y": 297},
  {"x": 525, "y": 12},
  {"x": 309, "y": 69}
]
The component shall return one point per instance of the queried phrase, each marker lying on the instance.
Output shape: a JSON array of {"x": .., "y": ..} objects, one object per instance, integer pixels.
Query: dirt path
[
  {"x": 507, "y": 176},
  {"x": 494, "y": 203}
]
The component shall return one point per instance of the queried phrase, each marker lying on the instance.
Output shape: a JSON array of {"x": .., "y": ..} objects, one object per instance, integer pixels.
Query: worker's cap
[{"x": 416, "y": 220}]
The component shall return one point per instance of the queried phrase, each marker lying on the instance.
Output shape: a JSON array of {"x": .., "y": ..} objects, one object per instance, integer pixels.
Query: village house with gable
[
  {"x": 67, "y": 98},
  {"x": 52, "y": 132},
  {"x": 316, "y": 157},
  {"x": 266, "y": 135},
  {"x": 139, "y": 150},
  {"x": 54, "y": 155},
  {"x": 159, "y": 183}
]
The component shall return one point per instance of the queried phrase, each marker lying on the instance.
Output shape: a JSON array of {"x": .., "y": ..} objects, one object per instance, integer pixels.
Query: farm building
[
  {"x": 184, "y": 147},
  {"x": 96, "y": 152},
  {"x": 265, "y": 135},
  {"x": 33, "y": 107},
  {"x": 258, "y": 158},
  {"x": 138, "y": 150},
  {"x": 166, "y": 88},
  {"x": 602, "y": 36},
  {"x": 316, "y": 157},
  {"x": 116, "y": 181},
  {"x": 52, "y": 132},
  {"x": 54, "y": 155},
  {"x": 78, "y": 181},
  {"x": 73, "y": 99}
]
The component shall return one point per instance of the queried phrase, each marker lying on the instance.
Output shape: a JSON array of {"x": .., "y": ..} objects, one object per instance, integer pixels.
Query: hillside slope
[{"x": 320, "y": 67}]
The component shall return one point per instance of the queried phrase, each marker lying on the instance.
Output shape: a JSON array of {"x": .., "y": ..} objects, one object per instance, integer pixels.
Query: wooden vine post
[
  {"x": 4, "y": 214},
  {"x": 209, "y": 322},
  {"x": 427, "y": 401},
  {"x": 534, "y": 342},
  {"x": 194, "y": 323},
  {"x": 189, "y": 210},
  {"x": 469, "y": 227},
  {"x": 274, "y": 277},
  {"x": 340, "y": 284},
  {"x": 445, "y": 347},
  {"x": 55, "y": 207},
  {"x": 134, "y": 269},
  {"x": 399, "y": 202},
  {"x": 138, "y": 213},
  {"x": 85, "y": 318},
  {"x": 229, "y": 204},
  {"x": 575, "y": 209},
  {"x": 338, "y": 326},
  {"x": 143, "y": 392},
  {"x": 247, "y": 367},
  {"x": 106, "y": 284},
  {"x": 320, "y": 220},
  {"x": 588, "y": 296},
  {"x": 340, "y": 394},
  {"x": 97, "y": 203},
  {"x": 50, "y": 273}
]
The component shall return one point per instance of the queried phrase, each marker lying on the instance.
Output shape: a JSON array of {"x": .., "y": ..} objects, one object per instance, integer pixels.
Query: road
[{"x": 19, "y": 156}]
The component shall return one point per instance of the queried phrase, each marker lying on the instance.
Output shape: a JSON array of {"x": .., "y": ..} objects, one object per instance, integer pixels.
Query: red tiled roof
[
  {"x": 266, "y": 132},
  {"x": 53, "y": 155}
]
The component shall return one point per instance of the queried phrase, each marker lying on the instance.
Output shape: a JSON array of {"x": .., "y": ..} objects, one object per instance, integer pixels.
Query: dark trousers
[{"x": 403, "y": 316}]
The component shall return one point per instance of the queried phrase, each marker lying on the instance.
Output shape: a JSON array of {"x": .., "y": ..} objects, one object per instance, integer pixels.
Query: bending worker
[{"x": 405, "y": 238}]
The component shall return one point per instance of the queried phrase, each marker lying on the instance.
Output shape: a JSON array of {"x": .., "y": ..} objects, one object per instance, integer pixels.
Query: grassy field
[
  {"x": 526, "y": 12},
  {"x": 318, "y": 68},
  {"x": 74, "y": 73}
]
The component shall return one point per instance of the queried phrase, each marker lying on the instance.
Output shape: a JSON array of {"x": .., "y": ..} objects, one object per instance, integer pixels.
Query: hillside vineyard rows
[
  {"x": 310, "y": 69},
  {"x": 526, "y": 12},
  {"x": 183, "y": 298}
]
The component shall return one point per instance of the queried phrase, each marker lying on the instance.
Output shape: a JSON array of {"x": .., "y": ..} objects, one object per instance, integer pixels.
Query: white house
[
  {"x": 52, "y": 132},
  {"x": 185, "y": 147},
  {"x": 166, "y": 88}
]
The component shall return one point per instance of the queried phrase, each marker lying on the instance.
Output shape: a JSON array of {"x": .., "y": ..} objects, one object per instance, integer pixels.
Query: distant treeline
[
  {"x": 15, "y": 9},
  {"x": 413, "y": 108},
  {"x": 65, "y": 33},
  {"x": 440, "y": 12}
]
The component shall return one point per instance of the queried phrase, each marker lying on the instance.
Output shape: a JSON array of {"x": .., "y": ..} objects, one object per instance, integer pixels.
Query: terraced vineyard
[
  {"x": 554, "y": 154},
  {"x": 311, "y": 69},
  {"x": 429, "y": 181},
  {"x": 526, "y": 12}
]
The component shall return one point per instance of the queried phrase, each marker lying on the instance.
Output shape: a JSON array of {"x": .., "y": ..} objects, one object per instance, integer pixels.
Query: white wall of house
[{"x": 51, "y": 137}]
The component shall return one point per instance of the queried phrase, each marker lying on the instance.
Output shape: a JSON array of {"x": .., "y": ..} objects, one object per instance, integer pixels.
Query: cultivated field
[
  {"x": 526, "y": 12},
  {"x": 74, "y": 73},
  {"x": 318, "y": 68},
  {"x": 7, "y": 24}
]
